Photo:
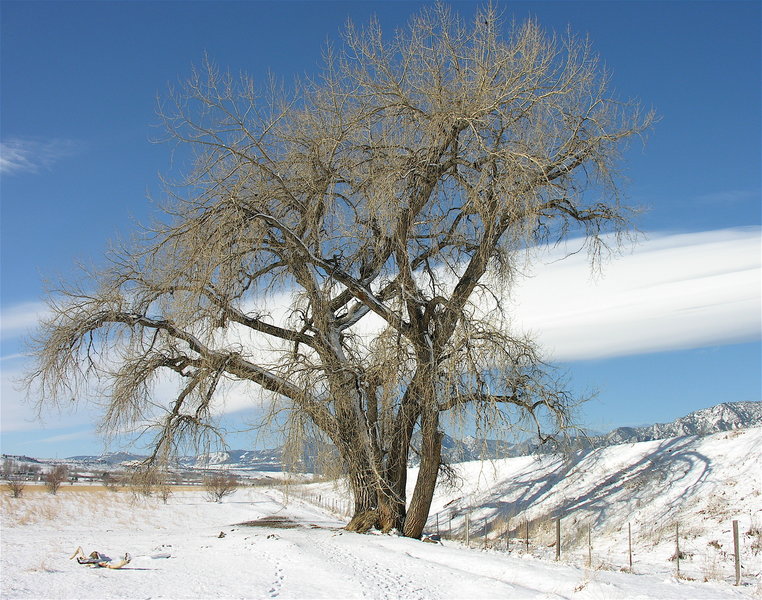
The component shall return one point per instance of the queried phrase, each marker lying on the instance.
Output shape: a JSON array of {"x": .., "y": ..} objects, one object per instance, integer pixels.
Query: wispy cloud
[
  {"x": 729, "y": 196},
  {"x": 17, "y": 356},
  {"x": 26, "y": 155},
  {"x": 19, "y": 411},
  {"x": 67, "y": 437},
  {"x": 21, "y": 319},
  {"x": 672, "y": 292}
]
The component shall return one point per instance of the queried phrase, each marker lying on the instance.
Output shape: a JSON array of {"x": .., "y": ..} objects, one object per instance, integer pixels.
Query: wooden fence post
[
  {"x": 526, "y": 523},
  {"x": 508, "y": 535},
  {"x": 468, "y": 526},
  {"x": 589, "y": 548},
  {"x": 737, "y": 552},
  {"x": 558, "y": 538},
  {"x": 677, "y": 547},
  {"x": 485, "y": 533},
  {"x": 629, "y": 544}
]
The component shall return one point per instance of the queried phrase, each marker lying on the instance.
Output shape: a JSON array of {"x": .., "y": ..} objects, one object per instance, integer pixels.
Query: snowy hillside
[
  {"x": 270, "y": 542},
  {"x": 700, "y": 483},
  {"x": 261, "y": 460},
  {"x": 697, "y": 483}
]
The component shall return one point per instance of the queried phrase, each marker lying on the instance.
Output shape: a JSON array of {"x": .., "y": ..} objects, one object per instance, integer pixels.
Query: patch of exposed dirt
[{"x": 275, "y": 522}]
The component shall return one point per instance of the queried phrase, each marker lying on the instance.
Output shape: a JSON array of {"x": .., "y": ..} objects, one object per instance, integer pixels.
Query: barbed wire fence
[
  {"x": 585, "y": 540},
  {"x": 735, "y": 555}
]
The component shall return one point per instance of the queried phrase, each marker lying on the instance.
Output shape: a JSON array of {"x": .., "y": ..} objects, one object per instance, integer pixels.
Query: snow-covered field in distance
[{"x": 701, "y": 482}]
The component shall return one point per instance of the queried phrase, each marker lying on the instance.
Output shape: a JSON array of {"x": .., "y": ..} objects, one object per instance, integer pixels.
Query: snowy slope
[{"x": 701, "y": 483}]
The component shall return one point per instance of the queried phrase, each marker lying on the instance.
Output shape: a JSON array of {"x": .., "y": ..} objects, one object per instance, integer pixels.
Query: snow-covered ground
[{"x": 179, "y": 552}]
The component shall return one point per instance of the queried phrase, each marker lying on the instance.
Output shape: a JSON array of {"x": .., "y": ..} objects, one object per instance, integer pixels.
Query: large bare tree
[{"x": 344, "y": 247}]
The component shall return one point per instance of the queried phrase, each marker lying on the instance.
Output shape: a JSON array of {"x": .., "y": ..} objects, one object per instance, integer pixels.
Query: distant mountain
[
  {"x": 251, "y": 460},
  {"x": 254, "y": 460},
  {"x": 109, "y": 459},
  {"x": 20, "y": 458},
  {"x": 722, "y": 417},
  {"x": 468, "y": 448}
]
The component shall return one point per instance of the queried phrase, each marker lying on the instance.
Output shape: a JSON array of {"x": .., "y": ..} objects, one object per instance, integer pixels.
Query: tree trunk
[
  {"x": 431, "y": 458},
  {"x": 396, "y": 465},
  {"x": 364, "y": 490},
  {"x": 356, "y": 450}
]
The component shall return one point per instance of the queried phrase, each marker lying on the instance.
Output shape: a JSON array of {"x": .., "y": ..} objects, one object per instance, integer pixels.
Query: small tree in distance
[
  {"x": 344, "y": 250},
  {"x": 111, "y": 481},
  {"x": 147, "y": 481},
  {"x": 16, "y": 485},
  {"x": 164, "y": 491},
  {"x": 55, "y": 477},
  {"x": 219, "y": 486},
  {"x": 9, "y": 467}
]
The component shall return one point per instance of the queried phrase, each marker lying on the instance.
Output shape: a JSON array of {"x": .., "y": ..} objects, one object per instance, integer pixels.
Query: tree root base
[{"x": 363, "y": 522}]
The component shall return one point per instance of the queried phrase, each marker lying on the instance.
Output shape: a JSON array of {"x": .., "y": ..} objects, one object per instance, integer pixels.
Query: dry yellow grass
[
  {"x": 64, "y": 489},
  {"x": 86, "y": 488},
  {"x": 37, "y": 507}
]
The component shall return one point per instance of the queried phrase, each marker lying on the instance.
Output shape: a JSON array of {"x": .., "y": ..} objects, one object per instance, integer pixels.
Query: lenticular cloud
[{"x": 671, "y": 292}]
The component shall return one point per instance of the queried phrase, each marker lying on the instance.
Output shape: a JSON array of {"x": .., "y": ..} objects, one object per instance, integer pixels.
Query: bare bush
[
  {"x": 55, "y": 477},
  {"x": 151, "y": 481},
  {"x": 111, "y": 481},
  {"x": 9, "y": 467},
  {"x": 220, "y": 485},
  {"x": 164, "y": 491},
  {"x": 16, "y": 486}
]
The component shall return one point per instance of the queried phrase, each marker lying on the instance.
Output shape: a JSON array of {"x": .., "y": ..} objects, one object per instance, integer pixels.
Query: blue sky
[{"x": 79, "y": 87}]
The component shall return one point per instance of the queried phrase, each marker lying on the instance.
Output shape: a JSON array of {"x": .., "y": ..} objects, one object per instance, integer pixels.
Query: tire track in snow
[{"x": 377, "y": 580}]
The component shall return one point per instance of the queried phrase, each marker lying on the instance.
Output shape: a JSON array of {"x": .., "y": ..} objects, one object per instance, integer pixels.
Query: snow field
[
  {"x": 179, "y": 553},
  {"x": 313, "y": 559}
]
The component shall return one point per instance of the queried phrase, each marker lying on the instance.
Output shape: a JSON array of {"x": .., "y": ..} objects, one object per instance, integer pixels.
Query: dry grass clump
[
  {"x": 90, "y": 488},
  {"x": 713, "y": 562},
  {"x": 39, "y": 489},
  {"x": 41, "y": 567},
  {"x": 26, "y": 510},
  {"x": 40, "y": 507}
]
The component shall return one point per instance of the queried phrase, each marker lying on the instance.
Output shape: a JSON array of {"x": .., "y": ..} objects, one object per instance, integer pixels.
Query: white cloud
[
  {"x": 87, "y": 434},
  {"x": 21, "y": 319},
  {"x": 672, "y": 292},
  {"x": 18, "y": 412},
  {"x": 728, "y": 196},
  {"x": 22, "y": 155}
]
